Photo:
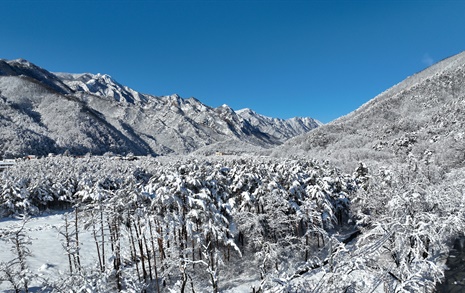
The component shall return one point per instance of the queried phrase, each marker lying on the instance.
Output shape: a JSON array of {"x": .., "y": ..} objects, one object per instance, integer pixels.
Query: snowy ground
[{"x": 48, "y": 256}]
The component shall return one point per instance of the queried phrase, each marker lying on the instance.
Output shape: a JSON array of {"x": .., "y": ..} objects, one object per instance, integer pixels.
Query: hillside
[
  {"x": 408, "y": 144},
  {"x": 422, "y": 117},
  {"x": 44, "y": 112}
]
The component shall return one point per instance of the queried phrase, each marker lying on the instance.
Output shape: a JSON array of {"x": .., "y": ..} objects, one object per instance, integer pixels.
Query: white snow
[{"x": 48, "y": 257}]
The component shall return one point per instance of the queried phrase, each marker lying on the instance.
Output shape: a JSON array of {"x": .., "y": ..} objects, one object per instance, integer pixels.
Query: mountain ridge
[
  {"x": 44, "y": 112},
  {"x": 287, "y": 127}
]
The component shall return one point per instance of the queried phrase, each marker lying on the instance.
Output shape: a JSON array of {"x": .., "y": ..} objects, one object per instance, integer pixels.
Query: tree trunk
[
  {"x": 94, "y": 233},
  {"x": 103, "y": 238},
  {"x": 117, "y": 259},
  {"x": 154, "y": 256},
  {"x": 141, "y": 249},
  {"x": 21, "y": 259},
  {"x": 149, "y": 261},
  {"x": 193, "y": 253},
  {"x": 133, "y": 250},
  {"x": 78, "y": 259},
  {"x": 68, "y": 248}
]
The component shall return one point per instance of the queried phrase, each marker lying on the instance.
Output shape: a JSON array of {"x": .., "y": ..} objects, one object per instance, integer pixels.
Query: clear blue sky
[{"x": 282, "y": 58}]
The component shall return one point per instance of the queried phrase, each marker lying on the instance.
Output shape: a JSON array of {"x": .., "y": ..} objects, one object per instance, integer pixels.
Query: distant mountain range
[{"x": 43, "y": 112}]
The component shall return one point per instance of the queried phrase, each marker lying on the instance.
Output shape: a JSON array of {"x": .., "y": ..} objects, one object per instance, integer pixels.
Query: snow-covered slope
[
  {"x": 45, "y": 112},
  {"x": 422, "y": 117}
]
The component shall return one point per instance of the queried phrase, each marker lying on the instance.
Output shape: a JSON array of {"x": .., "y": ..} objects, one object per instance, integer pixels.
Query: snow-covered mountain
[
  {"x": 422, "y": 119},
  {"x": 103, "y": 86},
  {"x": 280, "y": 128},
  {"x": 43, "y": 112}
]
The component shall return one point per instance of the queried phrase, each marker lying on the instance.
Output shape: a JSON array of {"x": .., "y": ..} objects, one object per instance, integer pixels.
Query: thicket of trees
[
  {"x": 186, "y": 225},
  {"x": 180, "y": 224}
]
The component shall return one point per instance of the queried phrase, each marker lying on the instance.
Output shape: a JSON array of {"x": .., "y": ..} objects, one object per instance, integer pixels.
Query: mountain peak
[
  {"x": 225, "y": 106},
  {"x": 246, "y": 111},
  {"x": 104, "y": 77},
  {"x": 24, "y": 68},
  {"x": 102, "y": 85},
  {"x": 21, "y": 61}
]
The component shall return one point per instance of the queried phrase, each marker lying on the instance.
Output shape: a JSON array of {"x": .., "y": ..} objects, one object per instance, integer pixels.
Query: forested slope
[
  {"x": 422, "y": 117},
  {"x": 411, "y": 140}
]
